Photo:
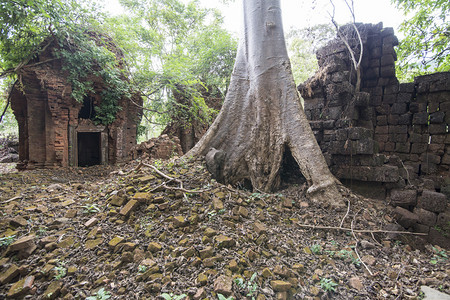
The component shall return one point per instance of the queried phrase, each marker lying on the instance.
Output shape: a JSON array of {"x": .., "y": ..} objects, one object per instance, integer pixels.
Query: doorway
[{"x": 89, "y": 153}]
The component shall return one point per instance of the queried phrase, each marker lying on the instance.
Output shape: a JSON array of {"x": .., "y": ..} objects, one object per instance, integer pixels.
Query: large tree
[{"x": 262, "y": 119}]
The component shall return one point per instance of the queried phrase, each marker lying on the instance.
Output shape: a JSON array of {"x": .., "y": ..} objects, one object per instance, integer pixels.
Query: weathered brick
[
  {"x": 425, "y": 217},
  {"x": 432, "y": 201},
  {"x": 129, "y": 207},
  {"x": 404, "y": 198},
  {"x": 405, "y": 218}
]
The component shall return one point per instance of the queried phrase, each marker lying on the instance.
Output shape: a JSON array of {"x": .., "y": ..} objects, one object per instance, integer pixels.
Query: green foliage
[
  {"x": 179, "y": 52},
  {"x": 328, "y": 285},
  {"x": 222, "y": 297},
  {"x": 425, "y": 48},
  {"x": 7, "y": 240},
  {"x": 142, "y": 269},
  {"x": 30, "y": 26},
  {"x": 60, "y": 271},
  {"x": 171, "y": 296},
  {"x": 250, "y": 287},
  {"x": 348, "y": 254},
  {"x": 101, "y": 294},
  {"x": 440, "y": 255},
  {"x": 302, "y": 45},
  {"x": 92, "y": 208},
  {"x": 316, "y": 249}
]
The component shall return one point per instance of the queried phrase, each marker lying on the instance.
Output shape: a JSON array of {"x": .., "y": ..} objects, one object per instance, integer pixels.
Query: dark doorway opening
[
  {"x": 290, "y": 171},
  {"x": 88, "y": 149}
]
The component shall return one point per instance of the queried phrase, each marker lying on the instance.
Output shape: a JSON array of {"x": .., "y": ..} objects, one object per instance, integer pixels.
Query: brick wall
[
  {"x": 48, "y": 118},
  {"x": 388, "y": 137}
]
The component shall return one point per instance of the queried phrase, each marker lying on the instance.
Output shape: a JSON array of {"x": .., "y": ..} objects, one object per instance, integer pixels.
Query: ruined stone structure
[
  {"x": 55, "y": 130},
  {"x": 388, "y": 140}
]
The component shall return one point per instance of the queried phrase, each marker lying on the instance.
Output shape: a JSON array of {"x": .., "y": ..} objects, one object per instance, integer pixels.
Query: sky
[{"x": 303, "y": 13}]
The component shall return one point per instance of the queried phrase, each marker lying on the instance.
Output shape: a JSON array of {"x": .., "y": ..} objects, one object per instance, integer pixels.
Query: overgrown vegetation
[{"x": 425, "y": 48}]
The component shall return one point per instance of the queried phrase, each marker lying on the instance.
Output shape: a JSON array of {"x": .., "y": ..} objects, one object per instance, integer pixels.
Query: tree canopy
[
  {"x": 172, "y": 48},
  {"x": 426, "y": 46}
]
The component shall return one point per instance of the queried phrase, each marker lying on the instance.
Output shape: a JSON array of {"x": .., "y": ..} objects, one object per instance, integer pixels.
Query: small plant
[
  {"x": 250, "y": 286},
  {"x": 61, "y": 271},
  {"x": 328, "y": 285},
  {"x": 348, "y": 254},
  {"x": 89, "y": 209},
  {"x": 439, "y": 256},
  {"x": 7, "y": 240},
  {"x": 142, "y": 269},
  {"x": 42, "y": 231},
  {"x": 100, "y": 295},
  {"x": 316, "y": 249},
  {"x": 222, "y": 297},
  {"x": 171, "y": 296},
  {"x": 211, "y": 214}
]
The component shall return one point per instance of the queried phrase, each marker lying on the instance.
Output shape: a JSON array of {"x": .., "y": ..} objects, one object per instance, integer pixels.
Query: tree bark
[{"x": 262, "y": 116}]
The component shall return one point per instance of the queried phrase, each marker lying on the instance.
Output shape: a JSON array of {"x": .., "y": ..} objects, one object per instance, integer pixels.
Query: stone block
[
  {"x": 399, "y": 108},
  {"x": 443, "y": 220},
  {"x": 359, "y": 133},
  {"x": 23, "y": 243},
  {"x": 403, "y": 198},
  {"x": 437, "y": 128},
  {"x": 430, "y": 158},
  {"x": 389, "y": 147},
  {"x": 420, "y": 118},
  {"x": 446, "y": 159},
  {"x": 329, "y": 124},
  {"x": 432, "y": 201},
  {"x": 381, "y": 120},
  {"x": 437, "y": 238},
  {"x": 404, "y": 97},
  {"x": 387, "y": 60},
  {"x": 393, "y": 120},
  {"x": 437, "y": 117},
  {"x": 382, "y": 130},
  {"x": 387, "y": 71},
  {"x": 364, "y": 146},
  {"x": 436, "y": 148},
  {"x": 129, "y": 207},
  {"x": 417, "y": 107},
  {"x": 400, "y": 138},
  {"x": 425, "y": 217},
  {"x": 402, "y": 147},
  {"x": 390, "y": 99},
  {"x": 405, "y": 119},
  {"x": 419, "y": 148},
  {"x": 223, "y": 285},
  {"x": 8, "y": 275},
  {"x": 404, "y": 217},
  {"x": 386, "y": 174}
]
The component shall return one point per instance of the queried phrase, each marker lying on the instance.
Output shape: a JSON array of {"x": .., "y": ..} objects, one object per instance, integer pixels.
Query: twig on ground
[
  {"x": 12, "y": 199},
  {"x": 358, "y": 231},
  {"x": 184, "y": 190},
  {"x": 164, "y": 175},
  {"x": 356, "y": 248},
  {"x": 348, "y": 210}
]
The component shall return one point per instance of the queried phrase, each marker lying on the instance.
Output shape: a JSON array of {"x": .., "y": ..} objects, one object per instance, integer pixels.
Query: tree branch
[{"x": 8, "y": 101}]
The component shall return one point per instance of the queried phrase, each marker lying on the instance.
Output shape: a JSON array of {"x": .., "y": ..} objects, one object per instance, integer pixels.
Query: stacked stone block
[{"x": 396, "y": 135}]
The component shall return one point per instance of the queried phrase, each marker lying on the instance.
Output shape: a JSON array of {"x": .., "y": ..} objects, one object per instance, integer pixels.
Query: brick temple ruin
[
  {"x": 57, "y": 131},
  {"x": 389, "y": 140}
]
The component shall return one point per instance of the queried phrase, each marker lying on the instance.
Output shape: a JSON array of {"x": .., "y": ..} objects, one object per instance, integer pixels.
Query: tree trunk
[{"x": 261, "y": 116}]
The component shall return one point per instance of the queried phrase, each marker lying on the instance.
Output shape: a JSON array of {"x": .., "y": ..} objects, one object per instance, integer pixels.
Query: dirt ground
[{"x": 143, "y": 230}]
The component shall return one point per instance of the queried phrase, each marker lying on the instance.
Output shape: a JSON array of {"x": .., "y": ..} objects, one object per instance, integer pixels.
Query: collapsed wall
[{"x": 387, "y": 140}]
